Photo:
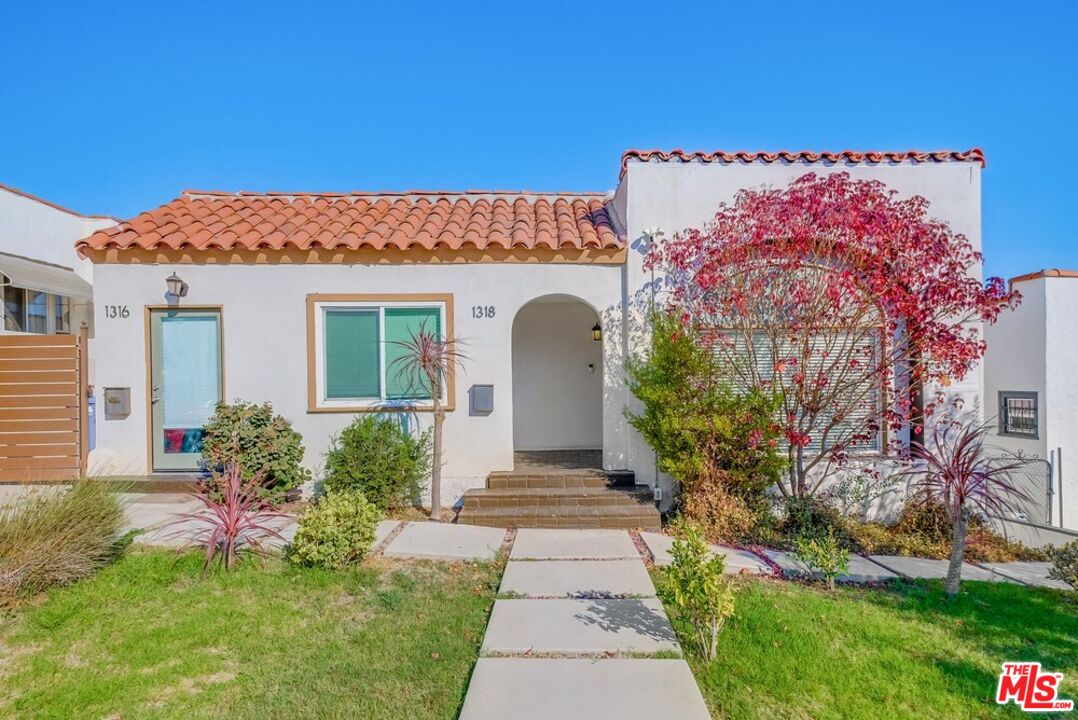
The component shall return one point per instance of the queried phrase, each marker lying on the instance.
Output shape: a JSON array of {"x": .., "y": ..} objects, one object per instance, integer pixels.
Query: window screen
[
  {"x": 352, "y": 356},
  {"x": 1018, "y": 414},
  {"x": 402, "y": 324}
]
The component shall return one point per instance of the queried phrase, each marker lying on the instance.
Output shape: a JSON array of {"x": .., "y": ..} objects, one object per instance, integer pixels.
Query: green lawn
[
  {"x": 796, "y": 652},
  {"x": 149, "y": 637}
]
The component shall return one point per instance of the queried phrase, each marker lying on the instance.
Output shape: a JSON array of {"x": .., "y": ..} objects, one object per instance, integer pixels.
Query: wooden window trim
[{"x": 314, "y": 299}]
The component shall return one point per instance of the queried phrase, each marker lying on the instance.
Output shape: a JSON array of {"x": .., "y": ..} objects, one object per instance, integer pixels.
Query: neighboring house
[
  {"x": 47, "y": 287},
  {"x": 1031, "y": 388},
  {"x": 294, "y": 298}
]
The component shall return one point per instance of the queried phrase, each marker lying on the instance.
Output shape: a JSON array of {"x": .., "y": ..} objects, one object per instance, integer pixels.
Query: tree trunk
[
  {"x": 436, "y": 465},
  {"x": 958, "y": 550}
]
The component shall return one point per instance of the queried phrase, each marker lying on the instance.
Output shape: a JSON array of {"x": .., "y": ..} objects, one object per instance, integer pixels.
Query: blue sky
[{"x": 116, "y": 107}]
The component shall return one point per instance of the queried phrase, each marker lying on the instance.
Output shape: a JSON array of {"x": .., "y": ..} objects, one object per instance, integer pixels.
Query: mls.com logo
[{"x": 1026, "y": 686}]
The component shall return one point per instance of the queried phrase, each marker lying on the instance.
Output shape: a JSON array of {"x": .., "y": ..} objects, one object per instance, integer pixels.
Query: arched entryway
[{"x": 558, "y": 378}]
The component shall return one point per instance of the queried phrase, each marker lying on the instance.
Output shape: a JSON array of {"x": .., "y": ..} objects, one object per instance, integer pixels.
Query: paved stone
[
  {"x": 577, "y": 578},
  {"x": 544, "y": 689},
  {"x": 384, "y": 529},
  {"x": 578, "y": 627},
  {"x": 1030, "y": 573},
  {"x": 445, "y": 541},
  {"x": 531, "y": 544},
  {"x": 737, "y": 561},
  {"x": 932, "y": 569},
  {"x": 860, "y": 570}
]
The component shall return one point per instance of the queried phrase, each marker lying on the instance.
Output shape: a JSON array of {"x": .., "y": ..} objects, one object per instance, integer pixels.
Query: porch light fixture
[
  {"x": 597, "y": 333},
  {"x": 176, "y": 286}
]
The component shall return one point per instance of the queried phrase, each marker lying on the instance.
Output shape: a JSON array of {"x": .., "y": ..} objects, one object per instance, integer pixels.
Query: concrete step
[
  {"x": 558, "y": 496},
  {"x": 643, "y": 516},
  {"x": 550, "y": 478}
]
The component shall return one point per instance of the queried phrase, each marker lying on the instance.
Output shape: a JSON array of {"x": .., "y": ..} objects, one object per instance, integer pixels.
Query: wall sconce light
[
  {"x": 597, "y": 333},
  {"x": 176, "y": 286}
]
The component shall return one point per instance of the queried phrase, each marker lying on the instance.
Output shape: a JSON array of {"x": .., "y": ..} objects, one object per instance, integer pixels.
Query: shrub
[
  {"x": 826, "y": 554},
  {"x": 259, "y": 441},
  {"x": 335, "y": 532},
  {"x": 719, "y": 514},
  {"x": 695, "y": 420},
  {"x": 377, "y": 457},
  {"x": 810, "y": 517},
  {"x": 57, "y": 538},
  {"x": 233, "y": 514},
  {"x": 695, "y": 591},
  {"x": 1064, "y": 563}
]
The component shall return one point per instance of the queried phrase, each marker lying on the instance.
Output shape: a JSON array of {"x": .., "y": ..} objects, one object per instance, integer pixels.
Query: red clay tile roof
[
  {"x": 845, "y": 156},
  {"x": 477, "y": 219}
]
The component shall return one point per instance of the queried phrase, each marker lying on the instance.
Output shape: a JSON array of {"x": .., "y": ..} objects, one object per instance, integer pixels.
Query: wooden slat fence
[{"x": 43, "y": 418}]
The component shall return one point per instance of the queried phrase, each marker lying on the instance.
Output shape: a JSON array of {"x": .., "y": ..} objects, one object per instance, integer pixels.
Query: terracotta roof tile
[
  {"x": 429, "y": 220},
  {"x": 845, "y": 156}
]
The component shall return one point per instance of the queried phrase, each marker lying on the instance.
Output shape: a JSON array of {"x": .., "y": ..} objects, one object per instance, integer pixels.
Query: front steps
[{"x": 554, "y": 496}]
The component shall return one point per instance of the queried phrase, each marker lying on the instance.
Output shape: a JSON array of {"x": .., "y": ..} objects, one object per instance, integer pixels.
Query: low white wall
[
  {"x": 557, "y": 377},
  {"x": 265, "y": 346}
]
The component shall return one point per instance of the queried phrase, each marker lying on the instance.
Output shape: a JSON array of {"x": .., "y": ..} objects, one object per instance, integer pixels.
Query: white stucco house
[
  {"x": 292, "y": 298},
  {"x": 1031, "y": 389},
  {"x": 47, "y": 286}
]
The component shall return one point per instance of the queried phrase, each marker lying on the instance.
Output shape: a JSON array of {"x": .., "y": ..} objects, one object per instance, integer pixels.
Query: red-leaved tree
[{"x": 841, "y": 297}]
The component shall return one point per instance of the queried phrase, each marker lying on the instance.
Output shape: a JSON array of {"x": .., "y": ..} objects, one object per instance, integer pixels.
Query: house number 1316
[{"x": 483, "y": 311}]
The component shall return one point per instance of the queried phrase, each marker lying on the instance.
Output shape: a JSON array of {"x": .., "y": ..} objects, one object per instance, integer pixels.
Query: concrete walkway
[{"x": 577, "y": 634}]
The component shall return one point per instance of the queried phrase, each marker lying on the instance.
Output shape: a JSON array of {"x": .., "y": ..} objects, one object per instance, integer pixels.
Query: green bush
[
  {"x": 57, "y": 538},
  {"x": 825, "y": 554},
  {"x": 1064, "y": 561},
  {"x": 695, "y": 591},
  {"x": 377, "y": 457},
  {"x": 810, "y": 517},
  {"x": 258, "y": 441},
  {"x": 335, "y": 532}
]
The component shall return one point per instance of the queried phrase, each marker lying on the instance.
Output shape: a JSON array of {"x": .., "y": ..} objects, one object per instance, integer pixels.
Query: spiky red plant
[
  {"x": 234, "y": 513},
  {"x": 426, "y": 364},
  {"x": 958, "y": 471}
]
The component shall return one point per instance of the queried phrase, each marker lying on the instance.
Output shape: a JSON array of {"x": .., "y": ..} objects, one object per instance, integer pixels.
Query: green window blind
[
  {"x": 401, "y": 325},
  {"x": 353, "y": 369}
]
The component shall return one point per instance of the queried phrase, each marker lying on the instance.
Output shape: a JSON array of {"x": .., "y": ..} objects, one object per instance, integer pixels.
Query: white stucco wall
[
  {"x": 265, "y": 356},
  {"x": 675, "y": 196},
  {"x": 557, "y": 377},
  {"x": 1033, "y": 348},
  {"x": 37, "y": 230},
  {"x": 1061, "y": 392}
]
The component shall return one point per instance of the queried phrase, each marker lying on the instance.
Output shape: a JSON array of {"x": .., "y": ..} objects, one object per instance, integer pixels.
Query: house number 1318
[{"x": 483, "y": 311}]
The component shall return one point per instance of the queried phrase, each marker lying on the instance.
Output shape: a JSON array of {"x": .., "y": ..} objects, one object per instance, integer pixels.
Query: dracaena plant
[
  {"x": 426, "y": 363},
  {"x": 955, "y": 469},
  {"x": 840, "y": 297},
  {"x": 234, "y": 513}
]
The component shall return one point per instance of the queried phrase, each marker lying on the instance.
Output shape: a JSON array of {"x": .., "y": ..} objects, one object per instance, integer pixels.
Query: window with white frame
[
  {"x": 1018, "y": 413},
  {"x": 359, "y": 351},
  {"x": 34, "y": 311}
]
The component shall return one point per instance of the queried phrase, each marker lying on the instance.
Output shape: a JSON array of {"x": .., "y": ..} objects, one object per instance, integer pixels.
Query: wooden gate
[{"x": 43, "y": 413}]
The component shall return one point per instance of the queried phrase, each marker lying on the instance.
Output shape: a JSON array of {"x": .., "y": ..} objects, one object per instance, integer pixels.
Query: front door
[{"x": 185, "y": 383}]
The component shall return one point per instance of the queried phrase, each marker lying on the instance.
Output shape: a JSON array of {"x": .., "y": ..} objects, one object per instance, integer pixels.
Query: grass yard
[
  {"x": 794, "y": 651},
  {"x": 149, "y": 637}
]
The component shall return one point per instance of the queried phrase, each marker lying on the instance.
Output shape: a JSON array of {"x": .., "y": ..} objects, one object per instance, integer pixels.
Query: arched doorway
[{"x": 558, "y": 379}]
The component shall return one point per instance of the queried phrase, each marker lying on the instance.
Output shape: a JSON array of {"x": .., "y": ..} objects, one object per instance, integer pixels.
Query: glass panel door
[{"x": 185, "y": 384}]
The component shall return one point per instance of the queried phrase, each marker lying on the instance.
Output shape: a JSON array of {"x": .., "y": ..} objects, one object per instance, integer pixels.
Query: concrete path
[
  {"x": 912, "y": 567},
  {"x": 859, "y": 570},
  {"x": 1027, "y": 573},
  {"x": 444, "y": 541},
  {"x": 574, "y": 604},
  {"x": 737, "y": 561}
]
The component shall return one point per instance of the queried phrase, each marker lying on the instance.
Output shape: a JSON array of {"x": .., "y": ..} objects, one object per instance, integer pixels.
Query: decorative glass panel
[
  {"x": 14, "y": 309},
  {"x": 402, "y": 324},
  {"x": 37, "y": 311},
  {"x": 191, "y": 379},
  {"x": 353, "y": 367},
  {"x": 62, "y": 308}
]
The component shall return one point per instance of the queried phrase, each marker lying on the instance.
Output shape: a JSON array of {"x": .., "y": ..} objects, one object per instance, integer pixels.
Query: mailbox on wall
[
  {"x": 481, "y": 400},
  {"x": 117, "y": 403}
]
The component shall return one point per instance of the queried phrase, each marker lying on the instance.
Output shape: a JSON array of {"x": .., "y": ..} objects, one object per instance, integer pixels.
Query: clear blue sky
[{"x": 116, "y": 107}]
